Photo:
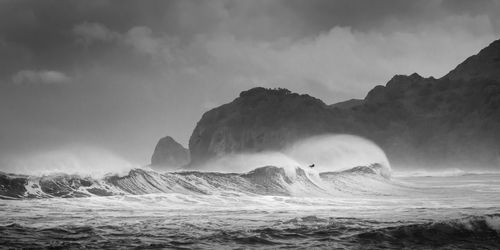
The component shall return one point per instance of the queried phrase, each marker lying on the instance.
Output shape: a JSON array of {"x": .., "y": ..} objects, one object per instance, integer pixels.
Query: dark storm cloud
[
  {"x": 40, "y": 30},
  {"x": 121, "y": 74},
  {"x": 360, "y": 15},
  {"x": 366, "y": 15},
  {"x": 471, "y": 7}
]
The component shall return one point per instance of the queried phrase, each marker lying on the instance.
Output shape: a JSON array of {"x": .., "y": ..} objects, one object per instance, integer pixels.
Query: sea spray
[
  {"x": 323, "y": 153},
  {"x": 338, "y": 152},
  {"x": 79, "y": 160}
]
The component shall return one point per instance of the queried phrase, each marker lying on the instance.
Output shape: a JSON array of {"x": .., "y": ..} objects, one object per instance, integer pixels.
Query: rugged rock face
[
  {"x": 259, "y": 119},
  {"x": 169, "y": 153},
  {"x": 484, "y": 65},
  {"x": 450, "y": 121}
]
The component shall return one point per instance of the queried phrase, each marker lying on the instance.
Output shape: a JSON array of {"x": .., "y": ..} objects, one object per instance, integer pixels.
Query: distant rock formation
[
  {"x": 451, "y": 121},
  {"x": 169, "y": 154}
]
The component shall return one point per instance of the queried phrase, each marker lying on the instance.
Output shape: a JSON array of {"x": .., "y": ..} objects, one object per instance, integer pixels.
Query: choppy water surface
[{"x": 457, "y": 212}]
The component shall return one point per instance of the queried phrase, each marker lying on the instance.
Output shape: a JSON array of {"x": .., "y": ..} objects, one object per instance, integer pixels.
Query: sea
[{"x": 266, "y": 208}]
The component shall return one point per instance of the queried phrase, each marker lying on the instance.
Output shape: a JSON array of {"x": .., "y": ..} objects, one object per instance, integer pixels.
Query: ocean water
[{"x": 265, "y": 208}]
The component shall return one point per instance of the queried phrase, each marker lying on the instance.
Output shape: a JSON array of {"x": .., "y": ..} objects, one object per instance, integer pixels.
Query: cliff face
[
  {"x": 428, "y": 121},
  {"x": 169, "y": 154},
  {"x": 450, "y": 121},
  {"x": 259, "y": 119}
]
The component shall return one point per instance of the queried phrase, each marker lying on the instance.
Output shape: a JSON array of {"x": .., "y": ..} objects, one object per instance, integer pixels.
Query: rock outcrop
[
  {"x": 452, "y": 121},
  {"x": 259, "y": 119},
  {"x": 169, "y": 154}
]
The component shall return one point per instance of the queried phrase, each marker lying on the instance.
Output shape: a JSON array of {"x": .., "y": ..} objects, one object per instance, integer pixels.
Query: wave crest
[{"x": 269, "y": 180}]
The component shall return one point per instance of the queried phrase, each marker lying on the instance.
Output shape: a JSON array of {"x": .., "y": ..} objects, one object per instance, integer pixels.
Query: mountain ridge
[{"x": 448, "y": 121}]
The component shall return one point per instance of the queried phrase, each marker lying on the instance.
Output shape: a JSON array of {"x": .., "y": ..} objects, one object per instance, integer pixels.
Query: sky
[{"x": 119, "y": 75}]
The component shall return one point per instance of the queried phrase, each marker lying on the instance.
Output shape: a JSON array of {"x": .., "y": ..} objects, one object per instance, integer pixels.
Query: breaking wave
[
  {"x": 269, "y": 180},
  {"x": 80, "y": 172}
]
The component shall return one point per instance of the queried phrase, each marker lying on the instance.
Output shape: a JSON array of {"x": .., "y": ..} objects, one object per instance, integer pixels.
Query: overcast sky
[{"x": 119, "y": 75}]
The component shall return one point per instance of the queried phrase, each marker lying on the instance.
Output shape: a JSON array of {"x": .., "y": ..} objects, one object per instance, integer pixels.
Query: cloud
[
  {"x": 344, "y": 60},
  {"x": 87, "y": 33},
  {"x": 141, "y": 39},
  {"x": 347, "y": 62},
  {"x": 40, "y": 77},
  {"x": 335, "y": 65}
]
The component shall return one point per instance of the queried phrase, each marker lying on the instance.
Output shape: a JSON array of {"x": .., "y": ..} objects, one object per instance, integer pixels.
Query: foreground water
[{"x": 455, "y": 212}]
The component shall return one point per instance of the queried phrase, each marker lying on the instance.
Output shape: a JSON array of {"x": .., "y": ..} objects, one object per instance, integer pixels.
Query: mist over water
[
  {"x": 332, "y": 153},
  {"x": 328, "y": 153},
  {"x": 443, "y": 172},
  {"x": 80, "y": 160},
  {"x": 244, "y": 162}
]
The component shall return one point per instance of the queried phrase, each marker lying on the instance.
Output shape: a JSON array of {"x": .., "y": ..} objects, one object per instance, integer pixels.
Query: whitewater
[{"x": 350, "y": 200}]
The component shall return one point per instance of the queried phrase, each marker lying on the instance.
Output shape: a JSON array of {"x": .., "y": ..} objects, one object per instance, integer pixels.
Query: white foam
[
  {"x": 33, "y": 188},
  {"x": 493, "y": 222}
]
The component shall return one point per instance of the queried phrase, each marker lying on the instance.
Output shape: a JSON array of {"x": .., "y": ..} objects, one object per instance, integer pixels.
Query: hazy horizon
[{"x": 119, "y": 77}]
